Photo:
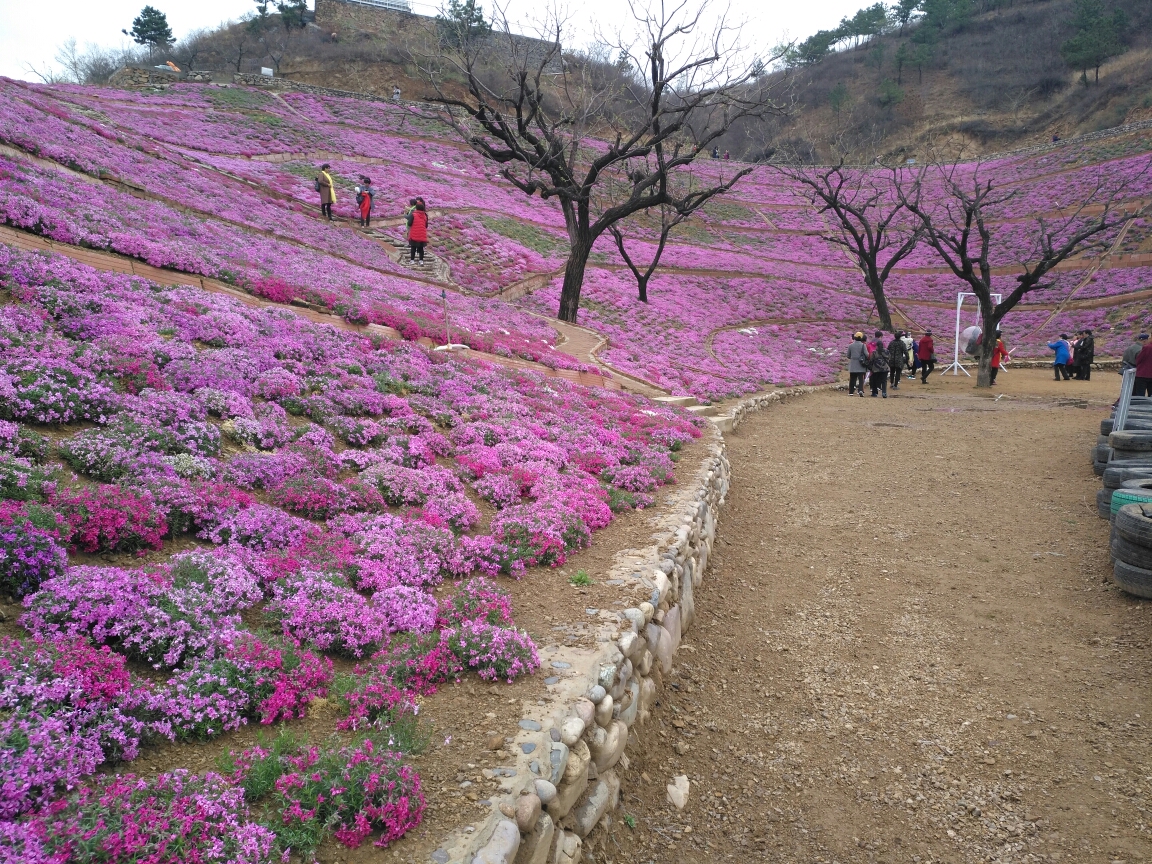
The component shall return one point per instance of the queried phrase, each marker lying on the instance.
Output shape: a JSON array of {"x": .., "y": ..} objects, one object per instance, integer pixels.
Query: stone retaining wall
[
  {"x": 561, "y": 788},
  {"x": 143, "y": 77},
  {"x": 559, "y": 796},
  {"x": 252, "y": 79}
]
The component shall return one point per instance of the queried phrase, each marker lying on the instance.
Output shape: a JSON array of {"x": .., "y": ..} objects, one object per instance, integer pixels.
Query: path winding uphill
[{"x": 909, "y": 647}]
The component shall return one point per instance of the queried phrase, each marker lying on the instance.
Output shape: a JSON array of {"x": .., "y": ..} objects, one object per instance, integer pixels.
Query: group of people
[
  {"x": 716, "y": 154},
  {"x": 1074, "y": 357},
  {"x": 415, "y": 217},
  {"x": 1138, "y": 356},
  {"x": 883, "y": 365}
]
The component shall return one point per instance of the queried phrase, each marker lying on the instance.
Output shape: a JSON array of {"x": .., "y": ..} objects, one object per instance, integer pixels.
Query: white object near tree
[
  {"x": 266, "y": 72},
  {"x": 678, "y": 791},
  {"x": 955, "y": 364}
]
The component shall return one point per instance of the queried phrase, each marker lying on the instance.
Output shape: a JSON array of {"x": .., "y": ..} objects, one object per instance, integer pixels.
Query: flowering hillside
[
  {"x": 219, "y": 181},
  {"x": 295, "y": 493},
  {"x": 209, "y": 507}
]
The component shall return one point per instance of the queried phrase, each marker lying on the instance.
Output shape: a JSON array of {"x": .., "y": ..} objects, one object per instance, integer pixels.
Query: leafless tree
[
  {"x": 240, "y": 41},
  {"x": 192, "y": 48},
  {"x": 558, "y": 127},
  {"x": 871, "y": 222},
  {"x": 682, "y": 203},
  {"x": 276, "y": 42},
  {"x": 956, "y": 205}
]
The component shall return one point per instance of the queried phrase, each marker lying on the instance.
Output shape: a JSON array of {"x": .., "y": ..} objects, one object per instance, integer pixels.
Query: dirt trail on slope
[{"x": 908, "y": 648}]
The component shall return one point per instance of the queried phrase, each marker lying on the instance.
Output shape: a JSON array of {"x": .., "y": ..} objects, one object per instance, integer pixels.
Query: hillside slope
[
  {"x": 995, "y": 83},
  {"x": 218, "y": 182}
]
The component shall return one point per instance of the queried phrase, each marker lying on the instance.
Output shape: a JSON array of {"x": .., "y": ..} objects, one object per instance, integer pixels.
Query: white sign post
[
  {"x": 955, "y": 364},
  {"x": 1127, "y": 384}
]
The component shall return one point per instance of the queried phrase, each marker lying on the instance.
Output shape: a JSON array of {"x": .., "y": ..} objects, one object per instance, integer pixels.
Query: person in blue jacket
[{"x": 1063, "y": 356}]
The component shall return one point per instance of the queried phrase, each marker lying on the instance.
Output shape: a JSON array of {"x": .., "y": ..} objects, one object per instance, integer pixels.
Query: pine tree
[
  {"x": 462, "y": 21},
  {"x": 1099, "y": 36},
  {"x": 902, "y": 12},
  {"x": 151, "y": 28}
]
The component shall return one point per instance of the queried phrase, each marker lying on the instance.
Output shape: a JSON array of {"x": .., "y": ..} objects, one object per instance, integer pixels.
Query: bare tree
[
  {"x": 872, "y": 223},
  {"x": 681, "y": 205},
  {"x": 558, "y": 127},
  {"x": 956, "y": 204},
  {"x": 276, "y": 42},
  {"x": 192, "y": 48},
  {"x": 69, "y": 57},
  {"x": 241, "y": 41}
]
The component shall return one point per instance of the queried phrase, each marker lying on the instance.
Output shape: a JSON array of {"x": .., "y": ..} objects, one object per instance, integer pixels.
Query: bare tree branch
[
  {"x": 955, "y": 212},
  {"x": 605, "y": 142},
  {"x": 870, "y": 222}
]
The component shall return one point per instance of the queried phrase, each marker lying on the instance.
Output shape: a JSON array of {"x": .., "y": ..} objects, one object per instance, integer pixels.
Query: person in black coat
[
  {"x": 1085, "y": 354},
  {"x": 878, "y": 365},
  {"x": 897, "y": 357}
]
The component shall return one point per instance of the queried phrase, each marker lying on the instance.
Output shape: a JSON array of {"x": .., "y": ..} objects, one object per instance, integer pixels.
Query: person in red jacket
[
  {"x": 926, "y": 356},
  {"x": 1143, "y": 383},
  {"x": 998, "y": 353},
  {"x": 417, "y": 231}
]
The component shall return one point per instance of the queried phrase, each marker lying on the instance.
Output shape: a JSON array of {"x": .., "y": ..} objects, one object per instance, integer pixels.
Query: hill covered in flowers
[
  {"x": 293, "y": 493},
  {"x": 218, "y": 181},
  {"x": 215, "y": 513}
]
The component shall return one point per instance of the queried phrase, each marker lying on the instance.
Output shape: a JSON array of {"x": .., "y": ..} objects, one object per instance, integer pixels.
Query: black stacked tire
[
  {"x": 1114, "y": 477},
  {"x": 1132, "y": 549},
  {"x": 1139, "y": 420},
  {"x": 1130, "y": 444},
  {"x": 1130, "y": 553},
  {"x": 1104, "y": 503}
]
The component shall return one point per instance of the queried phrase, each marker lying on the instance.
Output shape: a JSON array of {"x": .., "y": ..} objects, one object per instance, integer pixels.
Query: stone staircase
[
  {"x": 432, "y": 265},
  {"x": 692, "y": 405}
]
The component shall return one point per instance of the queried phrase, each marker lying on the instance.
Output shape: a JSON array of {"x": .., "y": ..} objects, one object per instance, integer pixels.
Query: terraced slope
[{"x": 219, "y": 182}]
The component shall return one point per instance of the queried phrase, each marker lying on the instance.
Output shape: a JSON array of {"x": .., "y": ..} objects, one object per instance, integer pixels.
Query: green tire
[{"x": 1122, "y": 496}]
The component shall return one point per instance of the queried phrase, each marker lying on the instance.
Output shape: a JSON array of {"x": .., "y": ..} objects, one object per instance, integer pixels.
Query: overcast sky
[{"x": 31, "y": 30}]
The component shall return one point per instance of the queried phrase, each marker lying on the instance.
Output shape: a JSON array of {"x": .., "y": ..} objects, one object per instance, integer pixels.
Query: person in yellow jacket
[{"x": 327, "y": 190}]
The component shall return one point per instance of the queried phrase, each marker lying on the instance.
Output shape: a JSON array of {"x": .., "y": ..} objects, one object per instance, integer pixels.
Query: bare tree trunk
[
  {"x": 984, "y": 373},
  {"x": 642, "y": 284},
  {"x": 882, "y": 311},
  {"x": 574, "y": 279},
  {"x": 989, "y": 324}
]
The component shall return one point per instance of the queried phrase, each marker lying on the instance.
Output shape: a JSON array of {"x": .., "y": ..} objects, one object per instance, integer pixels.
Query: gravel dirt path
[{"x": 908, "y": 648}]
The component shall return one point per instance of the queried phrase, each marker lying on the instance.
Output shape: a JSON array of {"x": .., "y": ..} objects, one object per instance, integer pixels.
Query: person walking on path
[
  {"x": 926, "y": 354},
  {"x": 1063, "y": 355},
  {"x": 998, "y": 353},
  {"x": 857, "y": 364},
  {"x": 1128, "y": 361},
  {"x": 1085, "y": 354},
  {"x": 417, "y": 232},
  {"x": 878, "y": 363},
  {"x": 896, "y": 357},
  {"x": 909, "y": 353},
  {"x": 1143, "y": 385},
  {"x": 365, "y": 200},
  {"x": 327, "y": 190}
]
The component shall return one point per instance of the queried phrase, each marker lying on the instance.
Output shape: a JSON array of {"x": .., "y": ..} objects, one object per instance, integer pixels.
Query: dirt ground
[{"x": 908, "y": 648}]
